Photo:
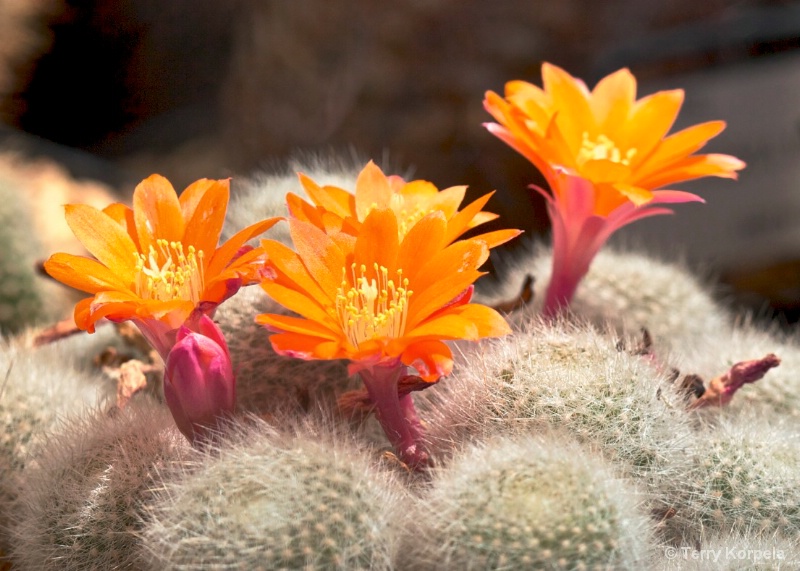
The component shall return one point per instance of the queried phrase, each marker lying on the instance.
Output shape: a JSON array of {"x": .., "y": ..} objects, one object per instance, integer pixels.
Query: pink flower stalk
[
  {"x": 199, "y": 385},
  {"x": 579, "y": 231}
]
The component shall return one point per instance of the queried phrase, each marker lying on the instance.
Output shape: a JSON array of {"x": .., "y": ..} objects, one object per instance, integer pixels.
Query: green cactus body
[
  {"x": 21, "y": 299},
  {"x": 268, "y": 500},
  {"x": 533, "y": 503},
  {"x": 567, "y": 376},
  {"x": 79, "y": 505}
]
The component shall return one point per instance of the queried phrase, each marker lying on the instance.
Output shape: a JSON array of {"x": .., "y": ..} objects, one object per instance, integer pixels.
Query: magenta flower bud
[{"x": 199, "y": 385}]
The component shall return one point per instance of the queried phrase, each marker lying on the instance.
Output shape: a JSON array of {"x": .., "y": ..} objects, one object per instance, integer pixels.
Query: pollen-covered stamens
[
  {"x": 603, "y": 148},
  {"x": 372, "y": 308},
  {"x": 167, "y": 272}
]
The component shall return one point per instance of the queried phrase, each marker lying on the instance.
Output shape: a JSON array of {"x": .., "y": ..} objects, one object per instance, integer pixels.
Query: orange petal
[
  {"x": 570, "y": 96},
  {"x": 82, "y": 273},
  {"x": 493, "y": 239},
  {"x": 449, "y": 325},
  {"x": 431, "y": 358},
  {"x": 204, "y": 227},
  {"x": 123, "y": 215},
  {"x": 635, "y": 194},
  {"x": 650, "y": 120},
  {"x": 612, "y": 100},
  {"x": 421, "y": 242},
  {"x": 225, "y": 253},
  {"x": 690, "y": 168},
  {"x": 190, "y": 197},
  {"x": 372, "y": 190},
  {"x": 157, "y": 212},
  {"x": 322, "y": 257},
  {"x": 330, "y": 198},
  {"x": 82, "y": 315},
  {"x": 680, "y": 145},
  {"x": 377, "y": 242},
  {"x": 295, "y": 301},
  {"x": 604, "y": 170},
  {"x": 104, "y": 238},
  {"x": 531, "y": 100},
  {"x": 488, "y": 321},
  {"x": 289, "y": 324},
  {"x": 305, "y": 346},
  {"x": 461, "y": 222},
  {"x": 288, "y": 263}
]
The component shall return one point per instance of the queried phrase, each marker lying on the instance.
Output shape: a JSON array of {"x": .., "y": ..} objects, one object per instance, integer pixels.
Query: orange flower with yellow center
[
  {"x": 605, "y": 136},
  {"x": 159, "y": 261},
  {"x": 376, "y": 297},
  {"x": 386, "y": 300},
  {"x": 332, "y": 207}
]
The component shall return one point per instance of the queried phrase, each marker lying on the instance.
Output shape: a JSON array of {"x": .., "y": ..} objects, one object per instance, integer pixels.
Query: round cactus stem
[{"x": 396, "y": 412}]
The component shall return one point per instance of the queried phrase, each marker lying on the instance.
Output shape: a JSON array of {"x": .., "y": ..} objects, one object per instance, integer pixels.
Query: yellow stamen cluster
[
  {"x": 167, "y": 273},
  {"x": 406, "y": 217},
  {"x": 603, "y": 148},
  {"x": 372, "y": 308}
]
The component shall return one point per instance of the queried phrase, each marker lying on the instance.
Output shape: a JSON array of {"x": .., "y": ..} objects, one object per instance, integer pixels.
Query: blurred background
[{"x": 97, "y": 94}]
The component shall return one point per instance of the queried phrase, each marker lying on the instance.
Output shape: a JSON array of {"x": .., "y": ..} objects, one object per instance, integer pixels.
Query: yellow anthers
[
  {"x": 167, "y": 272},
  {"x": 371, "y": 308},
  {"x": 603, "y": 148}
]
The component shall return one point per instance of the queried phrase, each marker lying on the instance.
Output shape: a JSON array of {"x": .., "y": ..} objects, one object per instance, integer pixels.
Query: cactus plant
[
  {"x": 570, "y": 376},
  {"x": 38, "y": 386},
  {"x": 79, "y": 505},
  {"x": 629, "y": 291},
  {"x": 298, "y": 498},
  {"x": 266, "y": 381},
  {"x": 21, "y": 299},
  {"x": 744, "y": 479},
  {"x": 527, "y": 503}
]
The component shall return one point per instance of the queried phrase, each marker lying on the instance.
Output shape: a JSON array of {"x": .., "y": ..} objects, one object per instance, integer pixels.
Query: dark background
[{"x": 114, "y": 90}]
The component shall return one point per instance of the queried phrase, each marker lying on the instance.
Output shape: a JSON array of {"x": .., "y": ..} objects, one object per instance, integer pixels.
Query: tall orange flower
[
  {"x": 159, "y": 262},
  {"x": 606, "y": 136},
  {"x": 332, "y": 207},
  {"x": 604, "y": 154},
  {"x": 383, "y": 301}
]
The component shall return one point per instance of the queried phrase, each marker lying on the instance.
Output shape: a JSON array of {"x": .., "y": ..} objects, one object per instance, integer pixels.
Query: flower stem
[{"x": 396, "y": 413}]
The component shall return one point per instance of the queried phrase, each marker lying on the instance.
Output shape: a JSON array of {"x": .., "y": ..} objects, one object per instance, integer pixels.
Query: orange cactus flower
[
  {"x": 159, "y": 262},
  {"x": 384, "y": 300},
  {"x": 332, "y": 207},
  {"x": 375, "y": 298},
  {"x": 606, "y": 136}
]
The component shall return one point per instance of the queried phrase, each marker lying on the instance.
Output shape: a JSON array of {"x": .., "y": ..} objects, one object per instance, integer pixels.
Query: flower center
[
  {"x": 603, "y": 148},
  {"x": 372, "y": 308},
  {"x": 168, "y": 273}
]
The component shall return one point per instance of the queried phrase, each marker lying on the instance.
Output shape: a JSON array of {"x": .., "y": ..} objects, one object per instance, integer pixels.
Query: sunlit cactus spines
[
  {"x": 79, "y": 506},
  {"x": 627, "y": 291},
  {"x": 743, "y": 479},
  {"x": 573, "y": 377},
  {"x": 38, "y": 387},
  {"x": 296, "y": 498},
  {"x": 527, "y": 503}
]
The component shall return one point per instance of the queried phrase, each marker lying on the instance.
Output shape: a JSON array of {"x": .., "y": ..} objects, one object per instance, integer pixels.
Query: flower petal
[
  {"x": 322, "y": 257},
  {"x": 305, "y": 346},
  {"x": 225, "y": 253},
  {"x": 377, "y": 242},
  {"x": 157, "y": 212},
  {"x": 289, "y": 324},
  {"x": 431, "y": 358},
  {"x": 104, "y": 238},
  {"x": 204, "y": 227},
  {"x": 372, "y": 190},
  {"x": 82, "y": 273}
]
